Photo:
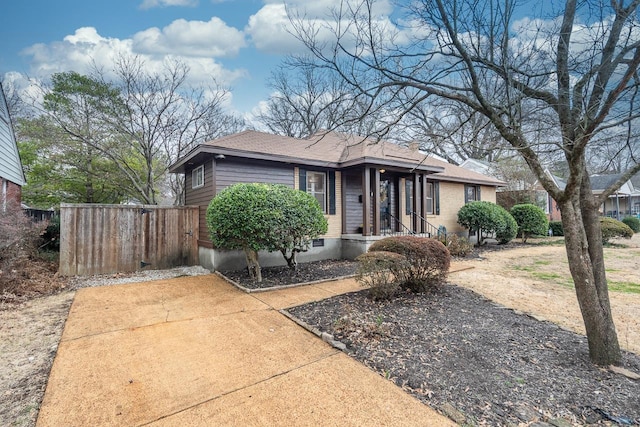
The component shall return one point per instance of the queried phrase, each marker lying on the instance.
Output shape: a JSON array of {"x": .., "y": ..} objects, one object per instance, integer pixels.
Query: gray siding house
[
  {"x": 367, "y": 189},
  {"x": 11, "y": 173}
]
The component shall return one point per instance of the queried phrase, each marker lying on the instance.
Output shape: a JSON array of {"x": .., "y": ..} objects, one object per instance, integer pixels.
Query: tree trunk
[
  {"x": 255, "y": 272},
  {"x": 291, "y": 260},
  {"x": 586, "y": 263}
]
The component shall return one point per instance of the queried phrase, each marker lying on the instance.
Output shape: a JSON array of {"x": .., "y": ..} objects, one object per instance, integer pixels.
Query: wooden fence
[{"x": 103, "y": 239}]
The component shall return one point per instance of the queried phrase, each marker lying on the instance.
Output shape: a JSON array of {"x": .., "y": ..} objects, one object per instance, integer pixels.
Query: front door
[{"x": 385, "y": 206}]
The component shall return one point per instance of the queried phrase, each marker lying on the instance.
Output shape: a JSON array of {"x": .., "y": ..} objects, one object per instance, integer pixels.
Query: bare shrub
[
  {"x": 428, "y": 260},
  {"x": 19, "y": 241},
  {"x": 378, "y": 270}
]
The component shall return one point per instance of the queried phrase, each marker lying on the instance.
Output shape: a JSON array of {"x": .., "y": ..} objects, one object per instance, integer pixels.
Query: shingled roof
[{"x": 331, "y": 150}]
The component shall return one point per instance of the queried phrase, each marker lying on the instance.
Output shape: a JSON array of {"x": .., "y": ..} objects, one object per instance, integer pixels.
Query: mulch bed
[
  {"x": 478, "y": 362},
  {"x": 305, "y": 272}
]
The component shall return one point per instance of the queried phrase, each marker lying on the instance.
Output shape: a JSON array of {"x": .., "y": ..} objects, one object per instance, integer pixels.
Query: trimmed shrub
[
  {"x": 633, "y": 223},
  {"x": 613, "y": 228},
  {"x": 458, "y": 246},
  {"x": 254, "y": 217},
  {"x": 484, "y": 217},
  {"x": 531, "y": 220},
  {"x": 507, "y": 231},
  {"x": 376, "y": 270},
  {"x": 556, "y": 228},
  {"x": 428, "y": 260}
]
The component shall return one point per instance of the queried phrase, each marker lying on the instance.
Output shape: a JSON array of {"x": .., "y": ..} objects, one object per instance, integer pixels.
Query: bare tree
[
  {"x": 307, "y": 99},
  {"x": 573, "y": 75}
]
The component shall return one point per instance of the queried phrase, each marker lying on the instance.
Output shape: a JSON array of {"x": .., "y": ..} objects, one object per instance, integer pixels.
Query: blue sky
[{"x": 239, "y": 42}]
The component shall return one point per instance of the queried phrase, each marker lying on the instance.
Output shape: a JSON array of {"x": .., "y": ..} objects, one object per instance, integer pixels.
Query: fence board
[{"x": 104, "y": 239}]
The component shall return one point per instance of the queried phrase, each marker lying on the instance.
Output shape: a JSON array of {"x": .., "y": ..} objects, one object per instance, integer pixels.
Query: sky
[{"x": 237, "y": 42}]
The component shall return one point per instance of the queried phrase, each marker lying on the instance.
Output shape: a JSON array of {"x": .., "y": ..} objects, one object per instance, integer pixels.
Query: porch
[{"x": 383, "y": 201}]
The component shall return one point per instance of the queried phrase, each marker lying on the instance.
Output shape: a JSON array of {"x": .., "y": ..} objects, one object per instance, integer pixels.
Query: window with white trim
[
  {"x": 316, "y": 186},
  {"x": 197, "y": 177}
]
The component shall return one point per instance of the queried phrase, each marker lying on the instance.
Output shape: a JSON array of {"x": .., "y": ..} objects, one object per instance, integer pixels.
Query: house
[
  {"x": 624, "y": 202},
  {"x": 11, "y": 173},
  {"x": 367, "y": 189}
]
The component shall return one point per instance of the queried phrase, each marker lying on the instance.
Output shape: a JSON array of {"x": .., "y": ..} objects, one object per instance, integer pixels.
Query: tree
[
  {"x": 307, "y": 100},
  {"x": 572, "y": 74},
  {"x": 140, "y": 120},
  {"x": 531, "y": 220},
  {"x": 60, "y": 169},
  {"x": 254, "y": 217}
]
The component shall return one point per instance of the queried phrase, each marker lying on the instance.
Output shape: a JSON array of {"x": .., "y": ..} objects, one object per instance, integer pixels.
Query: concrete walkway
[{"x": 196, "y": 351}]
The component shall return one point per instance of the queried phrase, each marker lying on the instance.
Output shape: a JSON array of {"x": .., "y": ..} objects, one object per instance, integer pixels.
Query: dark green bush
[
  {"x": 556, "y": 228},
  {"x": 613, "y": 228},
  {"x": 376, "y": 270},
  {"x": 458, "y": 246},
  {"x": 488, "y": 219},
  {"x": 531, "y": 221},
  {"x": 254, "y": 217},
  {"x": 509, "y": 228},
  {"x": 633, "y": 223},
  {"x": 428, "y": 260},
  {"x": 51, "y": 235}
]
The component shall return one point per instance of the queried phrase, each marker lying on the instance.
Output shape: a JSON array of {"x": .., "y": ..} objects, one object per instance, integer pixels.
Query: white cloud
[
  {"x": 149, "y": 4},
  {"x": 85, "y": 48},
  {"x": 271, "y": 29},
  {"x": 191, "y": 38}
]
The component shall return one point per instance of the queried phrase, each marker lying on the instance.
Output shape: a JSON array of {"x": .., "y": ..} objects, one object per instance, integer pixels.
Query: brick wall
[{"x": 10, "y": 192}]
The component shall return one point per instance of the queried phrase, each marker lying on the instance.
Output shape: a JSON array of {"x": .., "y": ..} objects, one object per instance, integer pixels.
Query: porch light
[{"x": 383, "y": 170}]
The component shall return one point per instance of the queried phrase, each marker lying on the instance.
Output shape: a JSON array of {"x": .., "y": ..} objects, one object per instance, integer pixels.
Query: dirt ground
[
  {"x": 30, "y": 331},
  {"x": 536, "y": 280}
]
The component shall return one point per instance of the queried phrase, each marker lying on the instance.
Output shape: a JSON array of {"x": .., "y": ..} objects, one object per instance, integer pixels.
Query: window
[
  {"x": 408, "y": 192},
  {"x": 197, "y": 177},
  {"x": 429, "y": 197},
  {"x": 316, "y": 186},
  {"x": 471, "y": 193}
]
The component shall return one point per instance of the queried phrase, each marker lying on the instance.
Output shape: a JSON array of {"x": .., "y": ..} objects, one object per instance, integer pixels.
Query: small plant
[
  {"x": 376, "y": 270},
  {"x": 427, "y": 261},
  {"x": 556, "y": 228},
  {"x": 613, "y": 228},
  {"x": 633, "y": 223},
  {"x": 531, "y": 221},
  {"x": 459, "y": 246}
]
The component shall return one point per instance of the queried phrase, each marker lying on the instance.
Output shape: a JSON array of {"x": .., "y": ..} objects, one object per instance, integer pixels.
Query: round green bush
[
  {"x": 508, "y": 230},
  {"x": 556, "y": 228},
  {"x": 254, "y": 217},
  {"x": 633, "y": 223},
  {"x": 613, "y": 228},
  {"x": 531, "y": 220},
  {"x": 428, "y": 260},
  {"x": 483, "y": 217}
]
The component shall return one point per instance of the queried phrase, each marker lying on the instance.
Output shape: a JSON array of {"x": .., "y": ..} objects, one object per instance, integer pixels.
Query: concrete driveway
[{"x": 196, "y": 351}]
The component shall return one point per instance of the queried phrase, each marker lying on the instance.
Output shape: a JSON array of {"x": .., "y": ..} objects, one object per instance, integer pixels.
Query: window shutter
[
  {"x": 479, "y": 197},
  {"x": 436, "y": 197},
  {"x": 466, "y": 194},
  {"x": 332, "y": 192},
  {"x": 408, "y": 190},
  {"x": 302, "y": 181}
]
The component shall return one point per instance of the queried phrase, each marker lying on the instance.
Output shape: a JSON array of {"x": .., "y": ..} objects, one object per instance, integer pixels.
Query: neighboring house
[
  {"x": 519, "y": 190},
  {"x": 624, "y": 202},
  {"x": 11, "y": 174},
  {"x": 366, "y": 189}
]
